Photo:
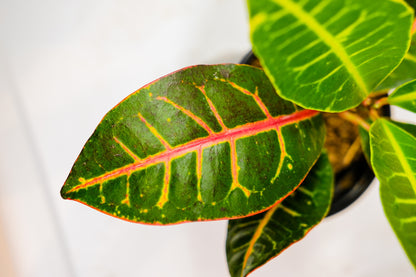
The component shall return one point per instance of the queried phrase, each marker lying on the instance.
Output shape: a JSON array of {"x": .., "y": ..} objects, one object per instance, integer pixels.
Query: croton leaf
[
  {"x": 203, "y": 143},
  {"x": 332, "y": 54},
  {"x": 393, "y": 156},
  {"x": 404, "y": 96},
  {"x": 254, "y": 240},
  {"x": 406, "y": 70}
]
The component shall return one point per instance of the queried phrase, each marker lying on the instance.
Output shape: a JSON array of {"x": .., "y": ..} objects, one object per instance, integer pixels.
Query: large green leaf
[
  {"x": 393, "y": 156},
  {"x": 206, "y": 142},
  {"x": 406, "y": 70},
  {"x": 329, "y": 55},
  {"x": 405, "y": 96},
  {"x": 254, "y": 240}
]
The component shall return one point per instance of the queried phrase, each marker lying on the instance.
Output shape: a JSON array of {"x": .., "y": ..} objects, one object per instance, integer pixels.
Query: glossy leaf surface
[
  {"x": 406, "y": 70},
  {"x": 206, "y": 142},
  {"x": 405, "y": 96},
  {"x": 393, "y": 156},
  {"x": 329, "y": 55},
  {"x": 254, "y": 240}
]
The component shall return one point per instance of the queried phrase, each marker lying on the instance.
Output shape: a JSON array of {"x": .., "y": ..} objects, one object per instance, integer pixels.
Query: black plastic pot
[{"x": 351, "y": 182}]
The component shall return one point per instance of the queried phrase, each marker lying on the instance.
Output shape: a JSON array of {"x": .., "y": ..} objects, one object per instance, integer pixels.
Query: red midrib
[{"x": 200, "y": 143}]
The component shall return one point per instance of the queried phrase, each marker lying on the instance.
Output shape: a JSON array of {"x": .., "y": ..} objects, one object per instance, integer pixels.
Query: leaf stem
[{"x": 356, "y": 119}]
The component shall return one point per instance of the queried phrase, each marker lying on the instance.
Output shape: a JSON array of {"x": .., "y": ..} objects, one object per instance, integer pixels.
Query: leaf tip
[{"x": 64, "y": 192}]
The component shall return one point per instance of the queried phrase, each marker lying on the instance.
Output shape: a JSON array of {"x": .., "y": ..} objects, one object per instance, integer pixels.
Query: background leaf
[
  {"x": 254, "y": 240},
  {"x": 206, "y": 142},
  {"x": 329, "y": 55},
  {"x": 393, "y": 156},
  {"x": 405, "y": 96}
]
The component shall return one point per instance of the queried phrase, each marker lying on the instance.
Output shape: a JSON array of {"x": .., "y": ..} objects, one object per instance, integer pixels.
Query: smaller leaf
[
  {"x": 405, "y": 96},
  {"x": 393, "y": 157},
  {"x": 365, "y": 137},
  {"x": 254, "y": 240}
]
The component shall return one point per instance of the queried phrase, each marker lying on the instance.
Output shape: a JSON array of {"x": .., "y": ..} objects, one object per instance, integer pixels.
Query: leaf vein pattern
[
  {"x": 212, "y": 107},
  {"x": 234, "y": 170},
  {"x": 165, "y": 190},
  {"x": 309, "y": 63},
  {"x": 224, "y": 136},
  {"x": 400, "y": 155},
  {"x": 327, "y": 38},
  {"x": 188, "y": 113},
  {"x": 262, "y": 224},
  {"x": 155, "y": 132},
  {"x": 126, "y": 149},
  {"x": 282, "y": 154},
  {"x": 366, "y": 36},
  {"x": 199, "y": 171},
  {"x": 126, "y": 200},
  {"x": 255, "y": 96}
]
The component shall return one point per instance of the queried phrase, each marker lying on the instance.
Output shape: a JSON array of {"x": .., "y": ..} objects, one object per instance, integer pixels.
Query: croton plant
[{"x": 241, "y": 143}]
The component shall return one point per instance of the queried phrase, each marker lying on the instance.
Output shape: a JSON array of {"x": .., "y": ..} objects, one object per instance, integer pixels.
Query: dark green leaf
[
  {"x": 329, "y": 55},
  {"x": 254, "y": 240},
  {"x": 206, "y": 142}
]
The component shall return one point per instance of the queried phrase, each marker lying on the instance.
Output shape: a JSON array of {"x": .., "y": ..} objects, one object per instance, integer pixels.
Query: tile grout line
[{"x": 41, "y": 171}]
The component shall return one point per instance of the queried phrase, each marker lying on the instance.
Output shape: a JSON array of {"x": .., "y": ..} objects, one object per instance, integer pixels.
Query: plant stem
[
  {"x": 380, "y": 103},
  {"x": 373, "y": 114},
  {"x": 356, "y": 119},
  {"x": 352, "y": 151},
  {"x": 367, "y": 102}
]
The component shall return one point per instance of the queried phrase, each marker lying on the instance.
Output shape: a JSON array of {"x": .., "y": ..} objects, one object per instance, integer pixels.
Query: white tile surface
[{"x": 64, "y": 65}]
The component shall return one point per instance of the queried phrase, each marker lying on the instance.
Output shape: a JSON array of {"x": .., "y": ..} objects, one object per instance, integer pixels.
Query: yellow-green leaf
[
  {"x": 393, "y": 157},
  {"x": 329, "y": 55}
]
